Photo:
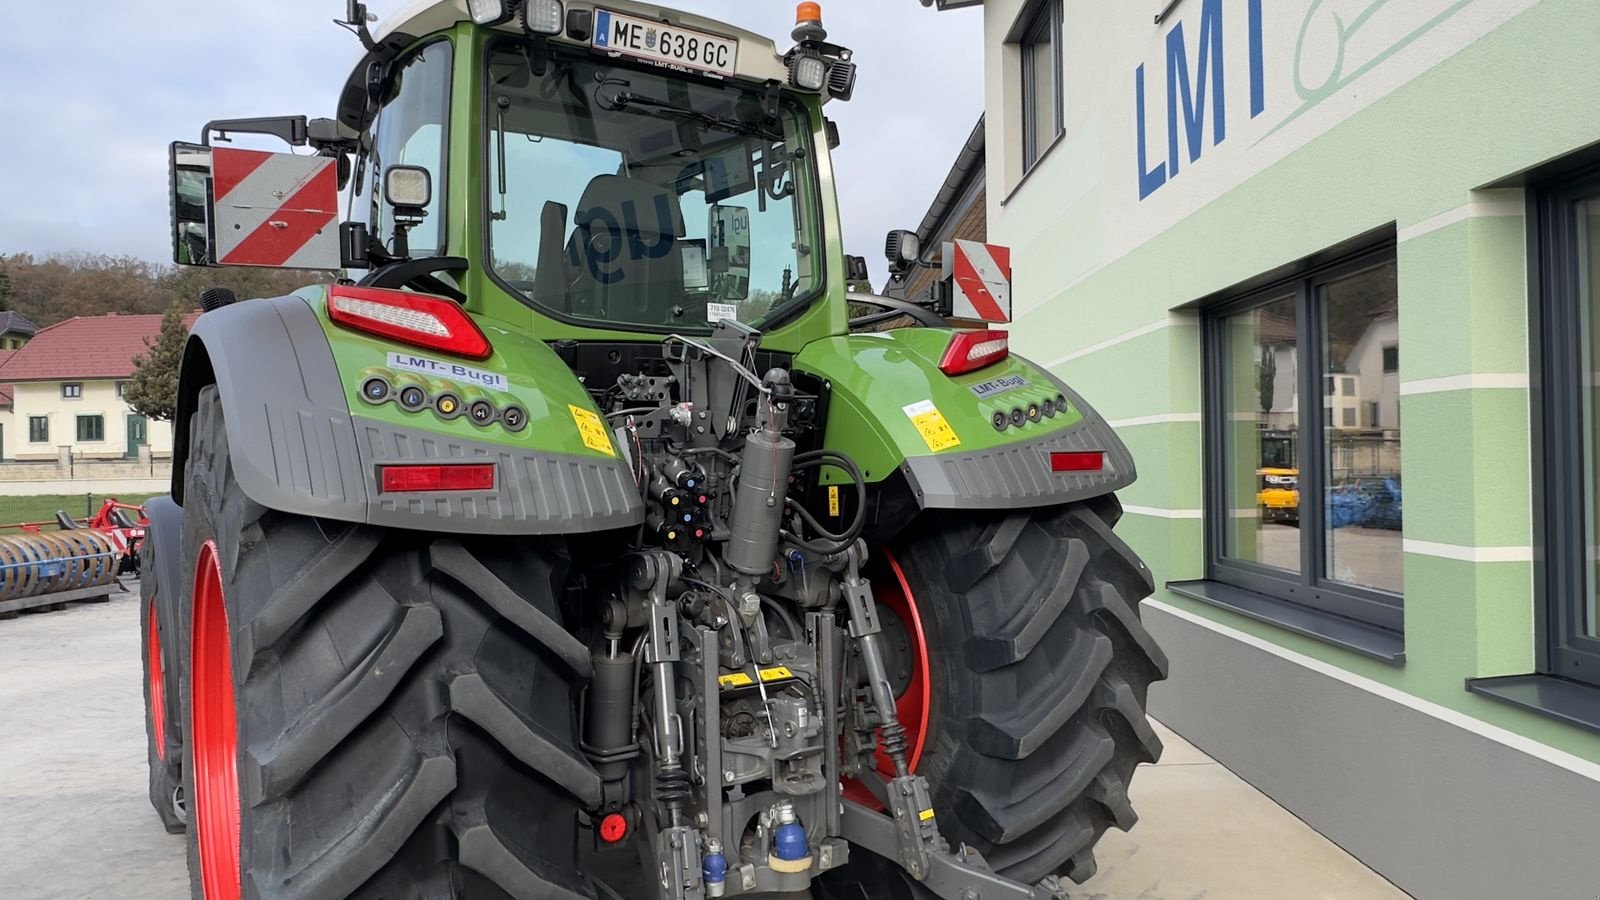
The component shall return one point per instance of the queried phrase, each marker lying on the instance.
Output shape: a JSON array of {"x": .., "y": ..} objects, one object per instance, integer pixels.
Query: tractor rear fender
[
  {"x": 288, "y": 381},
  {"x": 164, "y": 536},
  {"x": 981, "y": 440}
]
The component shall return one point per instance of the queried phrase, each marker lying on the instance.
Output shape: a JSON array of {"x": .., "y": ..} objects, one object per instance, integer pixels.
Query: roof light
[
  {"x": 421, "y": 320},
  {"x": 412, "y": 479},
  {"x": 808, "y": 23},
  {"x": 489, "y": 12},
  {"x": 543, "y": 17},
  {"x": 1077, "y": 461},
  {"x": 970, "y": 351},
  {"x": 808, "y": 73}
]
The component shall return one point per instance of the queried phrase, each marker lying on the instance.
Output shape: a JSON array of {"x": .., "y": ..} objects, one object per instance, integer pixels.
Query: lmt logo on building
[{"x": 1190, "y": 95}]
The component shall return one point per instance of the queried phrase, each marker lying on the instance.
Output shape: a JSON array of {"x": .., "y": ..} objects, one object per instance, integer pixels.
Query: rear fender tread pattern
[
  {"x": 1019, "y": 732},
  {"x": 330, "y": 719},
  {"x": 1109, "y": 606},
  {"x": 472, "y": 697},
  {"x": 991, "y": 548},
  {"x": 1001, "y": 817},
  {"x": 1032, "y": 619},
  {"x": 484, "y": 852},
  {"x": 294, "y": 600},
  {"x": 379, "y": 833},
  {"x": 451, "y": 558}
]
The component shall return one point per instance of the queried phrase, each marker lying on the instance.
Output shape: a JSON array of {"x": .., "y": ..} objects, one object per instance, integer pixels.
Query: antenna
[{"x": 355, "y": 21}]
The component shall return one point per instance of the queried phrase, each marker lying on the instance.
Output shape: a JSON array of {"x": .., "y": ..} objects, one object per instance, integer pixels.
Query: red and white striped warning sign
[
  {"x": 275, "y": 209},
  {"x": 982, "y": 275}
]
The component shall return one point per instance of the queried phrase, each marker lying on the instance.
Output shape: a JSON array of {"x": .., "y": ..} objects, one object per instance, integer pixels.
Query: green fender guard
[{"x": 893, "y": 410}]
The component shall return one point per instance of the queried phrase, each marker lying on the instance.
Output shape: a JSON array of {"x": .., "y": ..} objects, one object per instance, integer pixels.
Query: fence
[{"x": 71, "y": 475}]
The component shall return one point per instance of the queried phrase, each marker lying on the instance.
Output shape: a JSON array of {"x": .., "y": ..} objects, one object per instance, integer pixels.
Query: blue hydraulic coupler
[
  {"x": 714, "y": 868},
  {"x": 791, "y": 852}
]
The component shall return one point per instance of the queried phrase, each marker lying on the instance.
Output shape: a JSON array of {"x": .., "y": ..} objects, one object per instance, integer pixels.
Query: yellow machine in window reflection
[{"x": 1278, "y": 479}]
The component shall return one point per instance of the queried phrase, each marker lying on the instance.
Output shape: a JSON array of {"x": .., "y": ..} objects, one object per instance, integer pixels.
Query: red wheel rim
[
  {"x": 912, "y": 705},
  {"x": 214, "y": 733},
  {"x": 158, "y": 699}
]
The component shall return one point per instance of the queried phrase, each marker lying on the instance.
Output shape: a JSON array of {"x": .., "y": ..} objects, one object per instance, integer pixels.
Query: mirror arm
[{"x": 291, "y": 130}]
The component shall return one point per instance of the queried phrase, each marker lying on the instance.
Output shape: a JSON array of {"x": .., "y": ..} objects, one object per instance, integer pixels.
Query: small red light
[
  {"x": 414, "y": 479},
  {"x": 613, "y": 828},
  {"x": 970, "y": 351},
  {"x": 1078, "y": 461},
  {"x": 421, "y": 320}
]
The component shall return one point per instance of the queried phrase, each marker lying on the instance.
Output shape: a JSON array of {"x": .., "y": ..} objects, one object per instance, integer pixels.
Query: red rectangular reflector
[
  {"x": 1078, "y": 461},
  {"x": 415, "y": 479}
]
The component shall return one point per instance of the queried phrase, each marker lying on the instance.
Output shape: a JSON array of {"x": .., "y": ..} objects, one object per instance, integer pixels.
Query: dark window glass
[
  {"x": 91, "y": 428},
  {"x": 1261, "y": 427},
  {"x": 411, "y": 131},
  {"x": 1042, "y": 83},
  {"x": 71, "y": 390},
  {"x": 38, "y": 429},
  {"x": 1303, "y": 423}
]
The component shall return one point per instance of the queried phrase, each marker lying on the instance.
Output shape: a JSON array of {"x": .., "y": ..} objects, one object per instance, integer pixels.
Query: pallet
[{"x": 100, "y": 593}]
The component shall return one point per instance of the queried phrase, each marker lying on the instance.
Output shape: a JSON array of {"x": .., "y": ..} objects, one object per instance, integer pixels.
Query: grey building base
[{"x": 1432, "y": 806}]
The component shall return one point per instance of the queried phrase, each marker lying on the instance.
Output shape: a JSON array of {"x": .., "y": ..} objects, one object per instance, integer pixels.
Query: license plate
[{"x": 668, "y": 46}]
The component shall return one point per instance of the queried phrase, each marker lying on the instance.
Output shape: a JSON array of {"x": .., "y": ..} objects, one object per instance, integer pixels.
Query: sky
[{"x": 92, "y": 94}]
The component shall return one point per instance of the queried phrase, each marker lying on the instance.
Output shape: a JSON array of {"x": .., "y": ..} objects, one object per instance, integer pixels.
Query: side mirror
[
  {"x": 276, "y": 210},
  {"x": 189, "y": 177},
  {"x": 728, "y": 252},
  {"x": 902, "y": 249},
  {"x": 855, "y": 269}
]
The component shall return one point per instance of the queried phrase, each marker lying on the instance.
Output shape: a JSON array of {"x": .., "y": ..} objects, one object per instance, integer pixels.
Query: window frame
[
  {"x": 1309, "y": 587},
  {"x": 1046, "y": 27},
  {"x": 44, "y": 432},
  {"x": 440, "y": 212},
  {"x": 1556, "y": 406},
  {"x": 72, "y": 390},
  {"x": 83, "y": 418}
]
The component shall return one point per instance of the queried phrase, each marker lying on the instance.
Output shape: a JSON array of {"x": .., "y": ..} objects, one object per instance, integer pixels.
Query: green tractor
[{"x": 582, "y": 530}]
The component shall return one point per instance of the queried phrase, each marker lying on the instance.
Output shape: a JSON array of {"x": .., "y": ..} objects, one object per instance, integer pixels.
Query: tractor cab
[{"x": 618, "y": 168}]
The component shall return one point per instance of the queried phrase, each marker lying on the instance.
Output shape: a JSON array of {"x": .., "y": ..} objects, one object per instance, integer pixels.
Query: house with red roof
[{"x": 63, "y": 390}]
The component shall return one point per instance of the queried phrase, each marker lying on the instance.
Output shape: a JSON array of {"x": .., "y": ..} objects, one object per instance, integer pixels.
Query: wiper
[{"x": 624, "y": 99}]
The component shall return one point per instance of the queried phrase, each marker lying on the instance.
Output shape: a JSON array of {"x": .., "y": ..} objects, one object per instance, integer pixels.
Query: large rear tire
[
  {"x": 161, "y": 641},
  {"x": 1038, "y": 668},
  {"x": 374, "y": 714}
]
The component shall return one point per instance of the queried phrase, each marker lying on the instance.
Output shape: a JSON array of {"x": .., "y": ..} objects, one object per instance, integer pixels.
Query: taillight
[
  {"x": 970, "y": 351},
  {"x": 1077, "y": 461},
  {"x": 421, "y": 320},
  {"x": 413, "y": 479}
]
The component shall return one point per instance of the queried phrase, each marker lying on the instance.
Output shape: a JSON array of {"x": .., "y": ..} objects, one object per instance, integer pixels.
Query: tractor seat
[{"x": 623, "y": 255}]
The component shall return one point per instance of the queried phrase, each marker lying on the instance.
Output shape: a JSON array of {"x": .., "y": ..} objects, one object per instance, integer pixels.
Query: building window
[
  {"x": 1042, "y": 83},
  {"x": 91, "y": 428},
  {"x": 1567, "y": 477},
  {"x": 122, "y": 389},
  {"x": 38, "y": 429},
  {"x": 1391, "y": 359},
  {"x": 1304, "y": 503},
  {"x": 71, "y": 390}
]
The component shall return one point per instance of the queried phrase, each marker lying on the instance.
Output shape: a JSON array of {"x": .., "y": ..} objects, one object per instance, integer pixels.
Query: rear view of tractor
[{"x": 582, "y": 527}]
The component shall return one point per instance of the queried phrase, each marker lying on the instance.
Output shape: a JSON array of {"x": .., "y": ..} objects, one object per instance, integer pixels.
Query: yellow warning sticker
[
  {"x": 743, "y": 679},
  {"x": 932, "y": 426},
  {"x": 833, "y": 500},
  {"x": 592, "y": 430},
  {"x": 925, "y": 815}
]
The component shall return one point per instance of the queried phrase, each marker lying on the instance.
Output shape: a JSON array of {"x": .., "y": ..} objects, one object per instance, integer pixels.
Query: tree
[
  {"x": 1267, "y": 378},
  {"x": 5, "y": 287},
  {"x": 153, "y": 391}
]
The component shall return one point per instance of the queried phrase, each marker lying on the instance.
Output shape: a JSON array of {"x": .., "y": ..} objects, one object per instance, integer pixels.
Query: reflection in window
[
  {"x": 1360, "y": 329},
  {"x": 1042, "y": 86},
  {"x": 1262, "y": 420},
  {"x": 411, "y": 132},
  {"x": 1589, "y": 308}
]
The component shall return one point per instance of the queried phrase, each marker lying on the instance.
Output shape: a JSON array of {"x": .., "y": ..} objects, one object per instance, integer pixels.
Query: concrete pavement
[{"x": 75, "y": 821}]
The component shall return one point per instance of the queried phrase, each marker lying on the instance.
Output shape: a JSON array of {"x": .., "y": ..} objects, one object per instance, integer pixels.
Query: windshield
[{"x": 639, "y": 199}]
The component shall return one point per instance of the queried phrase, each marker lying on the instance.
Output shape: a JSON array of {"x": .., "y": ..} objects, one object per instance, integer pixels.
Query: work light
[
  {"x": 808, "y": 73},
  {"x": 543, "y": 17},
  {"x": 490, "y": 12}
]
